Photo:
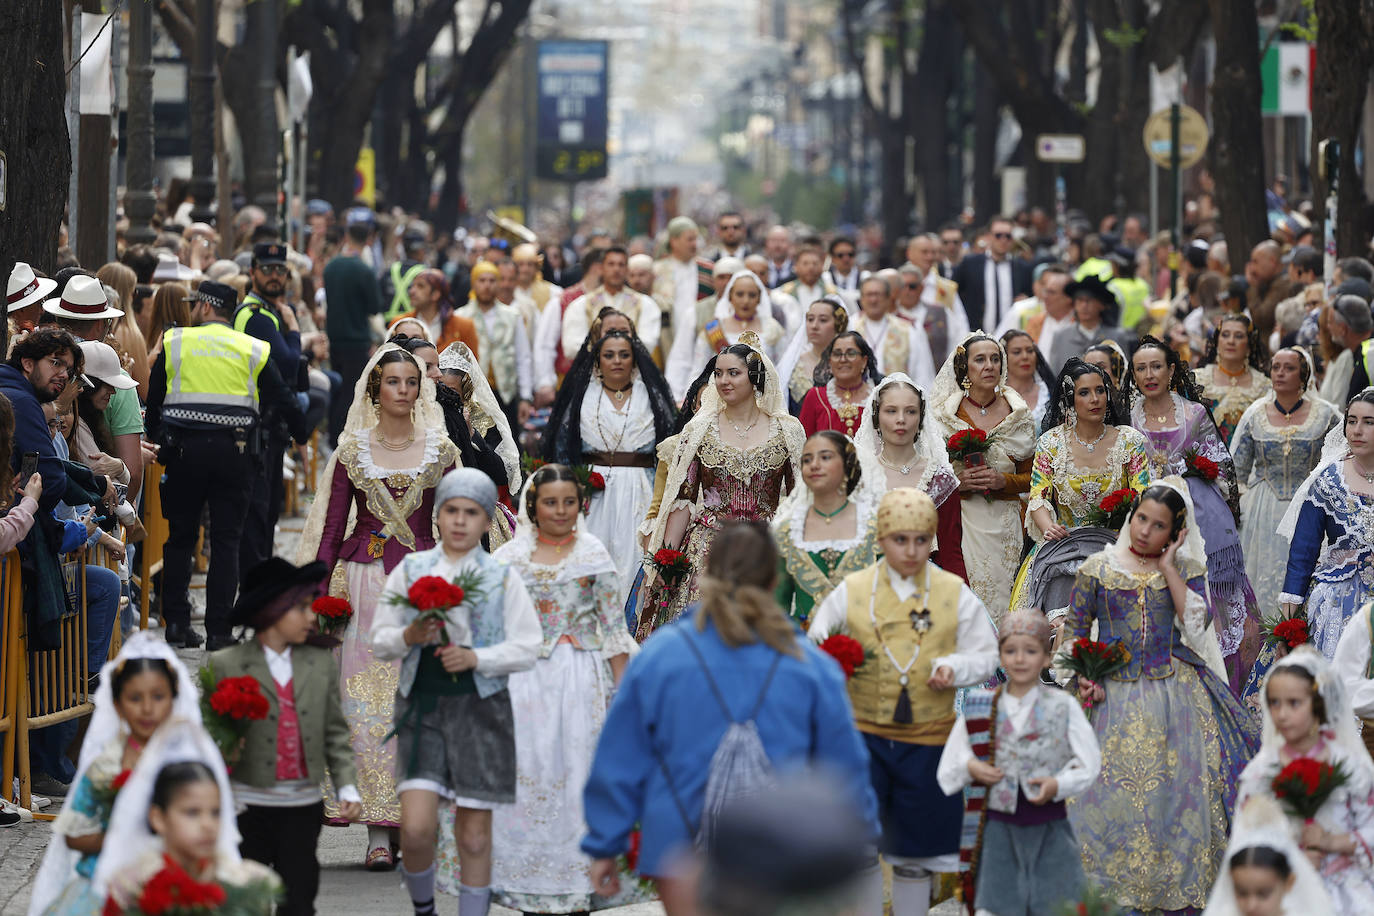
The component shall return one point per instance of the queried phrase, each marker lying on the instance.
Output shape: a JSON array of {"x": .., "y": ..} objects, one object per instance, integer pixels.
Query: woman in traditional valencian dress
[
  {"x": 462, "y": 376},
  {"x": 1232, "y": 375},
  {"x": 379, "y": 507},
  {"x": 1179, "y": 431},
  {"x": 844, "y": 377},
  {"x": 1277, "y": 443},
  {"x": 971, "y": 393},
  {"x": 824, "y": 529},
  {"x": 1331, "y": 526},
  {"x": 898, "y": 448},
  {"x": 744, "y": 306},
  {"x": 734, "y": 461},
  {"x": 1087, "y": 452},
  {"x": 1166, "y": 722},
  {"x": 1027, "y": 373},
  {"x": 825, "y": 318},
  {"x": 610, "y": 413}
]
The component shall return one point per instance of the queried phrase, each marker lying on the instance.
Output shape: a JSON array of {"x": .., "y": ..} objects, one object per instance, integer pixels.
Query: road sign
[
  {"x": 1192, "y": 137},
  {"x": 571, "y": 110},
  {"x": 1060, "y": 147}
]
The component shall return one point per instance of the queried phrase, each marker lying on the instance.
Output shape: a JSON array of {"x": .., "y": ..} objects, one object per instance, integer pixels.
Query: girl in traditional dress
[
  {"x": 1027, "y": 373},
  {"x": 1307, "y": 716},
  {"x": 560, "y": 704},
  {"x": 825, "y": 528},
  {"x": 825, "y": 318},
  {"x": 1354, "y": 664},
  {"x": 1232, "y": 375},
  {"x": 743, "y": 306},
  {"x": 1277, "y": 443},
  {"x": 898, "y": 448},
  {"x": 1040, "y": 751},
  {"x": 463, "y": 374},
  {"x": 172, "y": 827},
  {"x": 1179, "y": 435},
  {"x": 1109, "y": 357},
  {"x": 844, "y": 376},
  {"x": 473, "y": 451},
  {"x": 735, "y": 460},
  {"x": 1087, "y": 452},
  {"x": 144, "y": 685},
  {"x": 971, "y": 393},
  {"x": 380, "y": 507},
  {"x": 1166, "y": 720},
  {"x": 1266, "y": 874},
  {"x": 610, "y": 414},
  {"x": 1335, "y": 505},
  {"x": 924, "y": 634}
]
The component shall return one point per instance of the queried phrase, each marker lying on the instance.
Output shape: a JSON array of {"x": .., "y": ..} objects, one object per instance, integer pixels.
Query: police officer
[
  {"x": 207, "y": 393},
  {"x": 265, "y": 314}
]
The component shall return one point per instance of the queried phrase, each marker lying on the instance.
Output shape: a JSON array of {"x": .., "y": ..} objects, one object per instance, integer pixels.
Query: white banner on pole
[{"x": 97, "y": 76}]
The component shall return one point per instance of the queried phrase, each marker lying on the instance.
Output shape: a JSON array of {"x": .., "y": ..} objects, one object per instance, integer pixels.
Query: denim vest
[{"x": 486, "y": 614}]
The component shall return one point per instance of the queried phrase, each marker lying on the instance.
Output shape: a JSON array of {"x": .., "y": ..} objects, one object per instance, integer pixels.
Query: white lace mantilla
[{"x": 375, "y": 471}]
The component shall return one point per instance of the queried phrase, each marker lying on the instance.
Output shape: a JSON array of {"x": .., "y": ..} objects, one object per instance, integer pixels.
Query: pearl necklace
[
  {"x": 742, "y": 433},
  {"x": 391, "y": 447},
  {"x": 902, "y": 469}
]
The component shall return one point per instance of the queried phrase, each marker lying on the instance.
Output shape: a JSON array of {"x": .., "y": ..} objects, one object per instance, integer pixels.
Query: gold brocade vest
[{"x": 875, "y": 687}]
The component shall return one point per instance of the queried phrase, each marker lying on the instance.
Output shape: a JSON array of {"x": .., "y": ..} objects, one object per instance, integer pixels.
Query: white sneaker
[
  {"x": 9, "y": 812},
  {"x": 38, "y": 802}
]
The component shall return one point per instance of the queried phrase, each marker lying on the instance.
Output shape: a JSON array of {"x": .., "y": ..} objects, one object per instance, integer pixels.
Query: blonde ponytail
[{"x": 737, "y": 590}]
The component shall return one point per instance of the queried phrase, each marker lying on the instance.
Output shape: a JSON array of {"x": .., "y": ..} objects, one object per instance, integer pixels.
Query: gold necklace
[
  {"x": 743, "y": 433},
  {"x": 393, "y": 447}
]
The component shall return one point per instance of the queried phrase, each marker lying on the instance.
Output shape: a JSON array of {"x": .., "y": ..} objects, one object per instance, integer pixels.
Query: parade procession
[{"x": 469, "y": 457}]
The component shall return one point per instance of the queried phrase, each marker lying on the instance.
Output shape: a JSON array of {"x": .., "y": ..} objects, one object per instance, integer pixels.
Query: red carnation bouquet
[
  {"x": 1285, "y": 632},
  {"x": 331, "y": 614},
  {"x": 846, "y": 650},
  {"x": 672, "y": 565},
  {"x": 227, "y": 706},
  {"x": 969, "y": 446},
  {"x": 1093, "y": 661},
  {"x": 1304, "y": 785},
  {"x": 172, "y": 892},
  {"x": 107, "y": 793},
  {"x": 433, "y": 597},
  {"x": 1113, "y": 509},
  {"x": 1200, "y": 467}
]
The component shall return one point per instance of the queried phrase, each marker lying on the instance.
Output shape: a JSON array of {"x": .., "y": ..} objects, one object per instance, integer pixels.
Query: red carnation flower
[
  {"x": 846, "y": 650},
  {"x": 434, "y": 593},
  {"x": 333, "y": 608},
  {"x": 596, "y": 481},
  {"x": 632, "y": 855},
  {"x": 239, "y": 698},
  {"x": 118, "y": 782},
  {"x": 1293, "y": 632},
  {"x": 173, "y": 890}
]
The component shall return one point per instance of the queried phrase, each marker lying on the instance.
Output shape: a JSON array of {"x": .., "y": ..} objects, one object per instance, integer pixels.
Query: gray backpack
[{"x": 739, "y": 767}]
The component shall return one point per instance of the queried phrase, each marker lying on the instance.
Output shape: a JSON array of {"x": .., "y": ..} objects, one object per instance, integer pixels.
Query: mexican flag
[{"x": 1286, "y": 72}]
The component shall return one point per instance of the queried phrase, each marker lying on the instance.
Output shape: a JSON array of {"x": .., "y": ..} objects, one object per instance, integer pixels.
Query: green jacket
[{"x": 324, "y": 730}]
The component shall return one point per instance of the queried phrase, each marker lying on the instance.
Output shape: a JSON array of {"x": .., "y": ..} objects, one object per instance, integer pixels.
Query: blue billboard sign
[{"x": 571, "y": 110}]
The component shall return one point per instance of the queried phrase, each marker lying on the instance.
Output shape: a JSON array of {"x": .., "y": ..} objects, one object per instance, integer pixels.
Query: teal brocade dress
[
  {"x": 86, "y": 812},
  {"x": 808, "y": 571}
]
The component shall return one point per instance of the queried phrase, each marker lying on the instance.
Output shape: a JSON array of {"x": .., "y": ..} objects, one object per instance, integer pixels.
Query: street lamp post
[
  {"x": 265, "y": 170},
  {"x": 139, "y": 199},
  {"x": 202, "y": 100}
]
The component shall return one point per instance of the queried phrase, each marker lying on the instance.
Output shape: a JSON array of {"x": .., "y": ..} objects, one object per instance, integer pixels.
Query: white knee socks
[
  {"x": 910, "y": 892},
  {"x": 420, "y": 885},
  {"x": 473, "y": 901}
]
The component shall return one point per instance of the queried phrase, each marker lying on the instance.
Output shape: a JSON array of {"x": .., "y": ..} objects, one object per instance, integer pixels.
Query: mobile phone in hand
[{"x": 28, "y": 467}]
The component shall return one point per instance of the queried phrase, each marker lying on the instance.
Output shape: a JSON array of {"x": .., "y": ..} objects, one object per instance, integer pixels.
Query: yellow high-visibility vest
[{"x": 213, "y": 365}]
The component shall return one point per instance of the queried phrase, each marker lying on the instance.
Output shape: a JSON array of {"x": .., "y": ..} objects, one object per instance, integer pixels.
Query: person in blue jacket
[{"x": 664, "y": 725}]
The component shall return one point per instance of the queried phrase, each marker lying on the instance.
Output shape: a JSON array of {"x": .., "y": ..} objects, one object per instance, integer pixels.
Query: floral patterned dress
[
  {"x": 1168, "y": 721},
  {"x": 376, "y": 516},
  {"x": 808, "y": 571},
  {"x": 559, "y": 708},
  {"x": 86, "y": 812},
  {"x": 1189, "y": 432},
  {"x": 723, "y": 484},
  {"x": 1229, "y": 402}
]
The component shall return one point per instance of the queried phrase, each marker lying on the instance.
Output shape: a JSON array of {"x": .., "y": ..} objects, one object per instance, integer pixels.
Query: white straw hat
[
  {"x": 25, "y": 289},
  {"x": 83, "y": 299}
]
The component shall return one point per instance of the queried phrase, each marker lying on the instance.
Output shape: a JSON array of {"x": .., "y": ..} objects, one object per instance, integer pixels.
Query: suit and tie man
[{"x": 990, "y": 282}]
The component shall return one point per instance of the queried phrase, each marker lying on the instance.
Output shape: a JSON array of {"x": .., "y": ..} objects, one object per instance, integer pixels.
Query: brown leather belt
[{"x": 621, "y": 459}]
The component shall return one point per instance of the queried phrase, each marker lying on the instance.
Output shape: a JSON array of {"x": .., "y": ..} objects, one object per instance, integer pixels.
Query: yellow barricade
[
  {"x": 11, "y": 663},
  {"x": 150, "y": 551}
]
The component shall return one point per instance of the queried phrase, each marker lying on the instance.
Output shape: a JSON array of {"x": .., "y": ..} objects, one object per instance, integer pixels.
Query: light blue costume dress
[
  {"x": 87, "y": 812},
  {"x": 1168, "y": 720}
]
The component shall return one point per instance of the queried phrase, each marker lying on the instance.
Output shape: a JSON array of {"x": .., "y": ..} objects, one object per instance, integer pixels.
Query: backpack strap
[{"x": 720, "y": 698}]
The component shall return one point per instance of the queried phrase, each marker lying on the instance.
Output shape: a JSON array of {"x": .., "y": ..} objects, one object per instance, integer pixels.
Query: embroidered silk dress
[
  {"x": 86, "y": 812},
  {"x": 1168, "y": 722},
  {"x": 1072, "y": 493},
  {"x": 808, "y": 571},
  {"x": 1190, "y": 431},
  {"x": 1229, "y": 402},
  {"x": 723, "y": 484},
  {"x": 824, "y": 407},
  {"x": 394, "y": 511},
  {"x": 1272, "y": 461},
  {"x": 1331, "y": 561},
  {"x": 559, "y": 707}
]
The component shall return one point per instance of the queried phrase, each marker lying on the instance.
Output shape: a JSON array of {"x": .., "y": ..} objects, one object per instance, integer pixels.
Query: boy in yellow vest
[{"x": 924, "y": 634}]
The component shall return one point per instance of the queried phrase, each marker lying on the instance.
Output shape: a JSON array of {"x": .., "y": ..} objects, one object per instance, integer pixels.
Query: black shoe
[
  {"x": 43, "y": 784},
  {"x": 182, "y": 636},
  {"x": 216, "y": 641}
]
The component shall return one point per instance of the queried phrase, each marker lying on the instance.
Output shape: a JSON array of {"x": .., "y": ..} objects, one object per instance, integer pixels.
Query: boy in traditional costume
[
  {"x": 924, "y": 634},
  {"x": 277, "y": 778},
  {"x": 454, "y": 727}
]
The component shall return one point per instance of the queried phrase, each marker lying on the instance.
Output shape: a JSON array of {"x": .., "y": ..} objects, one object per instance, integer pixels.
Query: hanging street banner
[{"x": 571, "y": 110}]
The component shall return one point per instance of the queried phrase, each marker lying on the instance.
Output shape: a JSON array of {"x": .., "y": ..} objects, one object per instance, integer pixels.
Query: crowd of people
[{"x": 874, "y": 508}]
